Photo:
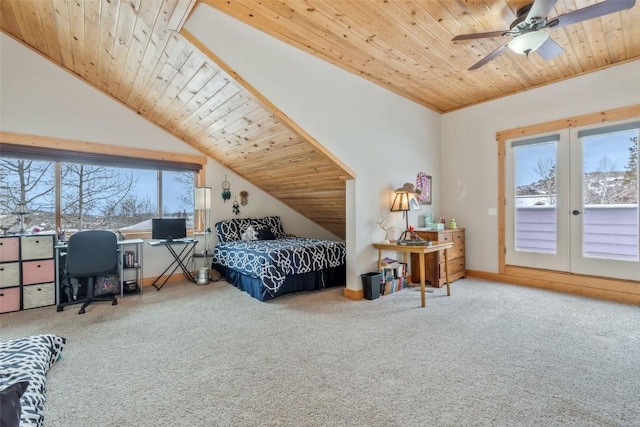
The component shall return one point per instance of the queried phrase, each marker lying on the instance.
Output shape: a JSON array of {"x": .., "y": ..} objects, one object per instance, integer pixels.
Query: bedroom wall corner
[
  {"x": 471, "y": 182},
  {"x": 385, "y": 139}
]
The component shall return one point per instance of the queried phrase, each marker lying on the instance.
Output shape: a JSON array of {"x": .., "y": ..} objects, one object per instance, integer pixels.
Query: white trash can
[{"x": 203, "y": 276}]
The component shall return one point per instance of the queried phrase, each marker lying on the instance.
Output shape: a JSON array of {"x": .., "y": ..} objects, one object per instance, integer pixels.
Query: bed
[{"x": 257, "y": 256}]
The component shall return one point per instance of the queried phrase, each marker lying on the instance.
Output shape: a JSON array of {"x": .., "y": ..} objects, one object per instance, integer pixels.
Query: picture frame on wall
[
  {"x": 424, "y": 183},
  {"x": 413, "y": 204}
]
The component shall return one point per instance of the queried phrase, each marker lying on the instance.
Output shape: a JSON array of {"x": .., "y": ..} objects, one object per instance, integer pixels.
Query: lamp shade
[
  {"x": 528, "y": 42},
  {"x": 202, "y": 199},
  {"x": 400, "y": 202},
  {"x": 405, "y": 199}
]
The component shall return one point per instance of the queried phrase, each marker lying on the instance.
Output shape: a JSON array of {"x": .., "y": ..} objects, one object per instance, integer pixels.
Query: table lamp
[{"x": 405, "y": 200}]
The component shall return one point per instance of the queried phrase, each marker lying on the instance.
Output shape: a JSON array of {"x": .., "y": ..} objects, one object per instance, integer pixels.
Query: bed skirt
[{"x": 311, "y": 281}]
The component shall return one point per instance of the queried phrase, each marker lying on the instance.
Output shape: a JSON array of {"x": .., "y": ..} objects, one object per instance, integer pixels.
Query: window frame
[{"x": 59, "y": 150}]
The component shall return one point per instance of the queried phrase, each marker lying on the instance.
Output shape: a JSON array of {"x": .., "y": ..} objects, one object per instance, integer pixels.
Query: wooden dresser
[{"x": 434, "y": 262}]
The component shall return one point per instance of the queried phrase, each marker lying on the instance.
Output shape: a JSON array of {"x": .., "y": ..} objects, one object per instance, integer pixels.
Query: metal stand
[{"x": 178, "y": 261}]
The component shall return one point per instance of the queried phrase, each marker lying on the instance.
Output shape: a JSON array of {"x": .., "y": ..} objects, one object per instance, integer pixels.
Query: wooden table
[{"x": 420, "y": 250}]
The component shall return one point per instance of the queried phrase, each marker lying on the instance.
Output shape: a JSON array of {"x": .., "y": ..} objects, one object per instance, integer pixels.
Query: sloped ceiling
[{"x": 132, "y": 51}]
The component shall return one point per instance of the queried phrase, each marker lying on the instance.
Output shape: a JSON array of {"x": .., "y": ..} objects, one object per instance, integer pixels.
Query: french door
[{"x": 572, "y": 201}]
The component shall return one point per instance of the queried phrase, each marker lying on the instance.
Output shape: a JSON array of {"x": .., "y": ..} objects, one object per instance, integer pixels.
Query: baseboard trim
[
  {"x": 625, "y": 291},
  {"x": 353, "y": 293},
  {"x": 174, "y": 278}
]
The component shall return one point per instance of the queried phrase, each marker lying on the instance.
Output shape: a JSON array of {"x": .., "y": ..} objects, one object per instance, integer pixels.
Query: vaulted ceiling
[
  {"x": 135, "y": 52},
  {"x": 406, "y": 46}
]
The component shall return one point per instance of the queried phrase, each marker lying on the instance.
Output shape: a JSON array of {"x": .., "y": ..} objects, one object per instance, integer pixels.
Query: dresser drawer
[
  {"x": 455, "y": 266},
  {"x": 38, "y": 295},
  {"x": 458, "y": 236},
  {"x": 9, "y": 274},
  {"x": 9, "y": 299},
  {"x": 37, "y": 247},
  {"x": 9, "y": 249},
  {"x": 455, "y": 235},
  {"x": 38, "y": 271},
  {"x": 456, "y": 251},
  {"x": 440, "y": 236}
]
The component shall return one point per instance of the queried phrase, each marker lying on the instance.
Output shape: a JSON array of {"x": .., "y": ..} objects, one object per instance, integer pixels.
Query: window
[
  {"x": 27, "y": 197},
  {"x": 91, "y": 193}
]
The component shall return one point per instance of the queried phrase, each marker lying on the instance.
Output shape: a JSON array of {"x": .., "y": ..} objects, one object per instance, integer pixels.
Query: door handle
[{"x": 576, "y": 212}]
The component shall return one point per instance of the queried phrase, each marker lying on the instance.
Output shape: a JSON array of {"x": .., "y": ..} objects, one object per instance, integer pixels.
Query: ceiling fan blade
[
  {"x": 593, "y": 11},
  {"x": 489, "y": 57},
  {"x": 480, "y": 35},
  {"x": 540, "y": 9},
  {"x": 549, "y": 49}
]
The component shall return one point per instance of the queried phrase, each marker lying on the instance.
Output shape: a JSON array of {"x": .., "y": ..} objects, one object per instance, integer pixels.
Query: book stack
[{"x": 394, "y": 276}]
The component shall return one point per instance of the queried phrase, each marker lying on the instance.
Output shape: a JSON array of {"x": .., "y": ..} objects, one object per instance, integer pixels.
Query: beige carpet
[{"x": 492, "y": 354}]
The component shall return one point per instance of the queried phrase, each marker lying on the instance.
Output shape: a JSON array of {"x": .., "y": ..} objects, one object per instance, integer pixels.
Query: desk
[
  {"x": 179, "y": 259},
  {"x": 61, "y": 247},
  {"x": 420, "y": 250}
]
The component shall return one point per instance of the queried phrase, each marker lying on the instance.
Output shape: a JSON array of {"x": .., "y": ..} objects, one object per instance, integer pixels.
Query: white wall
[
  {"x": 470, "y": 151},
  {"x": 39, "y": 98},
  {"x": 383, "y": 138}
]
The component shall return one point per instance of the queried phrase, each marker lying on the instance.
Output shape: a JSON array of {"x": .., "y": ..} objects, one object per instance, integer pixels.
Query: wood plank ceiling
[
  {"x": 405, "y": 45},
  {"x": 131, "y": 50}
]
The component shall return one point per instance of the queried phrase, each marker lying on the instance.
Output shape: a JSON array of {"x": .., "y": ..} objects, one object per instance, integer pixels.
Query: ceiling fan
[{"x": 527, "y": 29}]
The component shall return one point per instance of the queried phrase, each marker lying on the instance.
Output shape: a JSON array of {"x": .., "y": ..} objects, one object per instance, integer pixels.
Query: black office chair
[{"x": 90, "y": 253}]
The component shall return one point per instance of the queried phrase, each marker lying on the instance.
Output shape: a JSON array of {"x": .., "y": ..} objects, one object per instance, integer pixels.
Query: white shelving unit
[{"x": 134, "y": 271}]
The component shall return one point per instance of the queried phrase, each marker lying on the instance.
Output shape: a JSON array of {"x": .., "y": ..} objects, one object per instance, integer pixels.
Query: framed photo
[
  {"x": 423, "y": 183},
  {"x": 413, "y": 204}
]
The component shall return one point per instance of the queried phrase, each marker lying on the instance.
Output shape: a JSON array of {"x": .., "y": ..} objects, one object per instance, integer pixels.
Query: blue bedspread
[{"x": 272, "y": 260}]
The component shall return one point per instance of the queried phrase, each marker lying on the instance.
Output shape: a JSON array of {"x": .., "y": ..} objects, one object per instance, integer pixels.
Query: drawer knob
[{"x": 38, "y": 265}]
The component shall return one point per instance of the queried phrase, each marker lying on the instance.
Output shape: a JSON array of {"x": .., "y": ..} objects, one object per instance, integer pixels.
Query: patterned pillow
[
  {"x": 273, "y": 223},
  {"x": 231, "y": 230},
  {"x": 29, "y": 359},
  {"x": 265, "y": 234},
  {"x": 249, "y": 234}
]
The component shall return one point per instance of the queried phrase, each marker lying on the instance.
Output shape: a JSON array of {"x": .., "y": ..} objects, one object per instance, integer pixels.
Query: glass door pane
[
  {"x": 605, "y": 239},
  {"x": 610, "y": 195},
  {"x": 535, "y": 206},
  {"x": 536, "y": 209}
]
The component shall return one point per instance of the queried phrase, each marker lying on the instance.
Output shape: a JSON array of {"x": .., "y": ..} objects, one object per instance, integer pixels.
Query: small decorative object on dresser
[{"x": 434, "y": 262}]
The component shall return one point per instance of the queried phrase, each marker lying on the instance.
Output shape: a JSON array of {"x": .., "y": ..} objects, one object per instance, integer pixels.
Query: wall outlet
[{"x": 493, "y": 211}]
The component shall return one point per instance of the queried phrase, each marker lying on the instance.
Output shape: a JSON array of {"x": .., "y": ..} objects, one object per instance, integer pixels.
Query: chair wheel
[
  {"x": 59, "y": 308},
  {"x": 81, "y": 311},
  {"x": 114, "y": 302}
]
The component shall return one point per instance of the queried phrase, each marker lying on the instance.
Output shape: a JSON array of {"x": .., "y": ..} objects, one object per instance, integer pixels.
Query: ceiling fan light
[{"x": 528, "y": 42}]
